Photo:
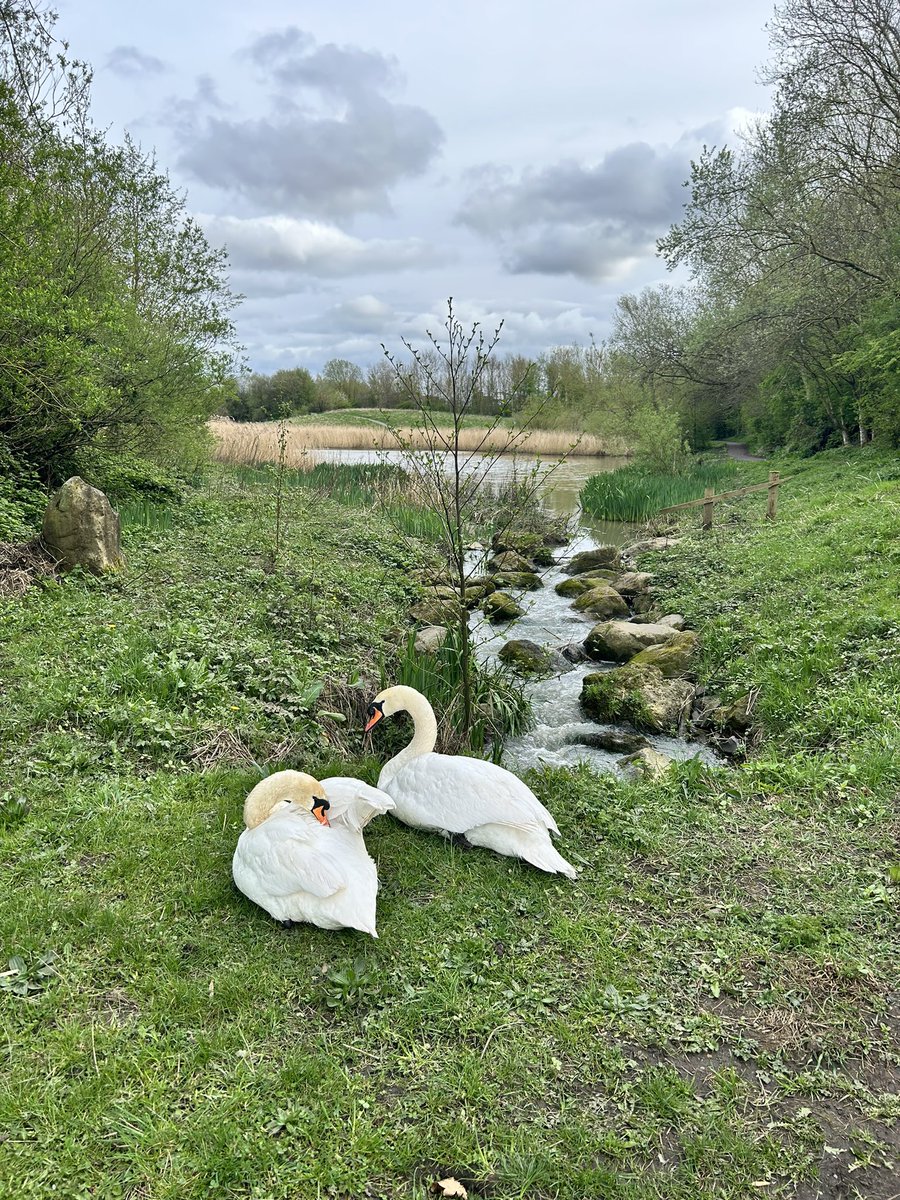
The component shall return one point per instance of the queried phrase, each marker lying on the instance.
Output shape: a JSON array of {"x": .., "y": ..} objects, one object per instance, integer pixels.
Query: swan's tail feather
[{"x": 531, "y": 843}]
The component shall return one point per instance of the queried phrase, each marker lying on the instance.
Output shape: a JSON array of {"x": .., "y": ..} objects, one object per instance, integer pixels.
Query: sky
[{"x": 365, "y": 160}]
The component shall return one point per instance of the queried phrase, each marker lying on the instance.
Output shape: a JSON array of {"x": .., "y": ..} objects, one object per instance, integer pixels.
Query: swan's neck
[{"x": 425, "y": 731}]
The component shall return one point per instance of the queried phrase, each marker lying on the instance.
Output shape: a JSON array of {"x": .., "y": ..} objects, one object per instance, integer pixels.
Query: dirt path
[{"x": 739, "y": 450}]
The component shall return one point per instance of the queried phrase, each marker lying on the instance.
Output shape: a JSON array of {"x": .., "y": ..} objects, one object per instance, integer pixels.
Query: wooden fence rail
[{"x": 710, "y": 498}]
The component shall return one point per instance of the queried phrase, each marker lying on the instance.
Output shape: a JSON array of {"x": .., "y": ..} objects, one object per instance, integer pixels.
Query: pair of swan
[{"x": 302, "y": 856}]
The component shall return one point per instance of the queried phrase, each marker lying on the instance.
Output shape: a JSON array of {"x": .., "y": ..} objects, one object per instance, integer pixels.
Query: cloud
[
  {"x": 332, "y": 142},
  {"x": 132, "y": 63},
  {"x": 285, "y": 244},
  {"x": 592, "y": 221}
]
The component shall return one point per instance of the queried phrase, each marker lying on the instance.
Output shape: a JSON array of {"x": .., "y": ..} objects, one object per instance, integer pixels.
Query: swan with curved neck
[
  {"x": 453, "y": 794},
  {"x": 302, "y": 856}
]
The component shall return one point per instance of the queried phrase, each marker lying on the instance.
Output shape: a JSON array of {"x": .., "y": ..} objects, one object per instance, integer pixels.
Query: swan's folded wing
[
  {"x": 456, "y": 793},
  {"x": 354, "y": 801},
  {"x": 283, "y": 859}
]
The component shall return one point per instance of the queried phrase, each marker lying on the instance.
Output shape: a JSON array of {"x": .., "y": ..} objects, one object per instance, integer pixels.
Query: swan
[
  {"x": 453, "y": 794},
  {"x": 302, "y": 856}
]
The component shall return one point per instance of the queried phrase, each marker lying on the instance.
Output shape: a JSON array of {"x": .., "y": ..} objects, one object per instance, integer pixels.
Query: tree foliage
[{"x": 114, "y": 309}]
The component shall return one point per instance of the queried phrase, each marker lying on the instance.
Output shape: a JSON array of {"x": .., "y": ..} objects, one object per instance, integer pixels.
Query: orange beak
[
  {"x": 373, "y": 721},
  {"x": 321, "y": 815}
]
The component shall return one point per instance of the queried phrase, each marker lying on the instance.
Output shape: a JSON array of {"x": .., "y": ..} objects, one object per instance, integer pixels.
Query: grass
[
  {"x": 252, "y": 443},
  {"x": 632, "y": 493},
  {"x": 709, "y": 1012}
]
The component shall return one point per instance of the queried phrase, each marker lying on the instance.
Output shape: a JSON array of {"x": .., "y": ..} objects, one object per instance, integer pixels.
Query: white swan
[
  {"x": 302, "y": 856},
  {"x": 457, "y": 795}
]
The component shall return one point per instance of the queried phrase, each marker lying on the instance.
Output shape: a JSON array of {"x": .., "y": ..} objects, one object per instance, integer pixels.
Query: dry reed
[{"x": 251, "y": 442}]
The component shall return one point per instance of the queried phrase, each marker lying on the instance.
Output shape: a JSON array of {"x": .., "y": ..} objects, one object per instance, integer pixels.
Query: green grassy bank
[{"x": 710, "y": 1011}]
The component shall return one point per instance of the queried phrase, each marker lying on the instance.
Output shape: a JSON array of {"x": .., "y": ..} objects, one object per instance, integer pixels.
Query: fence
[{"x": 710, "y": 499}]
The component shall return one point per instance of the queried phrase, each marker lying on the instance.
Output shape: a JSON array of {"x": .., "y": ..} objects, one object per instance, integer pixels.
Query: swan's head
[
  {"x": 393, "y": 700},
  {"x": 282, "y": 791}
]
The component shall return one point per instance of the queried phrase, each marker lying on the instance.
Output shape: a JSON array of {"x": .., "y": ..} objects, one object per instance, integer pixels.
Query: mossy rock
[
  {"x": 619, "y": 641},
  {"x": 500, "y": 606},
  {"x": 632, "y": 583},
  {"x": 588, "y": 560},
  {"x": 645, "y": 763},
  {"x": 525, "y": 581},
  {"x": 601, "y": 601},
  {"x": 671, "y": 658},
  {"x": 475, "y": 593},
  {"x": 575, "y": 586},
  {"x": 432, "y": 610},
  {"x": 526, "y": 657},
  {"x": 510, "y": 560},
  {"x": 638, "y": 694}
]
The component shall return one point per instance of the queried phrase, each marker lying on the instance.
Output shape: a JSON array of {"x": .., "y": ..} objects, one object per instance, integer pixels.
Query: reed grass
[
  {"x": 144, "y": 513},
  {"x": 633, "y": 493},
  {"x": 255, "y": 442}
]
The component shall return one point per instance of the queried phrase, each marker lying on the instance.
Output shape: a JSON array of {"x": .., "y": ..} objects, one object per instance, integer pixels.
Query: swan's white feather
[{"x": 353, "y": 802}]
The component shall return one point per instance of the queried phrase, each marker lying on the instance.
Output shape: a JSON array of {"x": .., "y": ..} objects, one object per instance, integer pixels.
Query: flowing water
[{"x": 560, "y": 735}]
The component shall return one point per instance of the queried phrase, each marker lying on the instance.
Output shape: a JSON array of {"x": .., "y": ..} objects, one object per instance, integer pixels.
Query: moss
[
  {"x": 526, "y": 657},
  {"x": 607, "y": 697},
  {"x": 671, "y": 659}
]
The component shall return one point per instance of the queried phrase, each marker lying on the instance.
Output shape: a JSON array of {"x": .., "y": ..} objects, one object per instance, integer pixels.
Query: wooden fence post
[
  {"x": 708, "y": 508},
  {"x": 772, "y": 506}
]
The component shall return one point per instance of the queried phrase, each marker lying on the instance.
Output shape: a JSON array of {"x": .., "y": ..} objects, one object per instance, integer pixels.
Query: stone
[
  {"x": 574, "y": 652},
  {"x": 586, "y": 560},
  {"x": 676, "y": 620},
  {"x": 81, "y": 528},
  {"x": 638, "y": 694},
  {"x": 535, "y": 546},
  {"x": 647, "y": 763},
  {"x": 602, "y": 601},
  {"x": 632, "y": 582},
  {"x": 672, "y": 657},
  {"x": 475, "y": 593},
  {"x": 574, "y": 586},
  {"x": 617, "y": 641},
  {"x": 500, "y": 606},
  {"x": 656, "y": 543},
  {"x": 510, "y": 560},
  {"x": 430, "y": 639},
  {"x": 527, "y": 581},
  {"x": 432, "y": 610},
  {"x": 643, "y": 603},
  {"x": 614, "y": 741},
  {"x": 731, "y": 747},
  {"x": 526, "y": 657},
  {"x": 737, "y": 716}
]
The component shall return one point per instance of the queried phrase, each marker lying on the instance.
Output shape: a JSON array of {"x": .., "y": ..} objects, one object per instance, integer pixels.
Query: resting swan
[
  {"x": 457, "y": 795},
  {"x": 302, "y": 856}
]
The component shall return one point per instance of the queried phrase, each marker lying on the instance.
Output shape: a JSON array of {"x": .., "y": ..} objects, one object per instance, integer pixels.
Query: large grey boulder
[
  {"x": 632, "y": 582},
  {"x": 673, "y": 657},
  {"x": 639, "y": 694},
  {"x": 617, "y": 641},
  {"x": 81, "y": 528},
  {"x": 601, "y": 601},
  {"x": 587, "y": 560},
  {"x": 430, "y": 639},
  {"x": 526, "y": 657}
]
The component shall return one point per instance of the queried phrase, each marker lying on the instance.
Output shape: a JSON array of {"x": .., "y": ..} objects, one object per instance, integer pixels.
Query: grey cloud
[
  {"x": 588, "y": 221},
  {"x": 133, "y": 63},
  {"x": 339, "y": 156}
]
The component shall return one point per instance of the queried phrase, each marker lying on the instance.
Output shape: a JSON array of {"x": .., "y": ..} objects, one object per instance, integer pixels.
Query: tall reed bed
[
  {"x": 634, "y": 493},
  {"x": 255, "y": 442}
]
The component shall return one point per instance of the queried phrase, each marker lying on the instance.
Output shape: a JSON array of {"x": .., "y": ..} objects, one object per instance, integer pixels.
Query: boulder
[
  {"x": 475, "y": 593},
  {"x": 430, "y": 639},
  {"x": 574, "y": 652},
  {"x": 640, "y": 695},
  {"x": 81, "y": 528},
  {"x": 529, "y": 545},
  {"x": 647, "y": 763},
  {"x": 671, "y": 658},
  {"x": 499, "y": 606},
  {"x": 655, "y": 543},
  {"x": 676, "y": 620},
  {"x": 526, "y": 657},
  {"x": 643, "y": 603},
  {"x": 737, "y": 716},
  {"x": 617, "y": 641},
  {"x": 614, "y": 741},
  {"x": 510, "y": 560},
  {"x": 587, "y": 560},
  {"x": 527, "y": 581},
  {"x": 432, "y": 610},
  {"x": 632, "y": 582},
  {"x": 575, "y": 586},
  {"x": 602, "y": 601}
]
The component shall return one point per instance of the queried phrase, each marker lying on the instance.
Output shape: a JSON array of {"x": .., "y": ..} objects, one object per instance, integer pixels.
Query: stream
[{"x": 560, "y": 735}]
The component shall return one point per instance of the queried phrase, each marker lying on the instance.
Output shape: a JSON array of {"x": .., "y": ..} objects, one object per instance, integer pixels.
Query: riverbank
[
  {"x": 255, "y": 442},
  {"x": 709, "y": 1011}
]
